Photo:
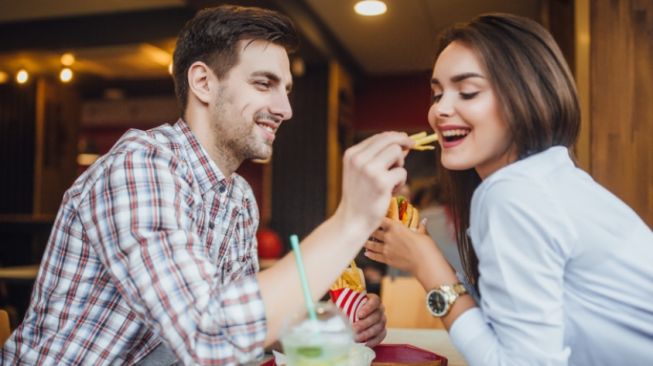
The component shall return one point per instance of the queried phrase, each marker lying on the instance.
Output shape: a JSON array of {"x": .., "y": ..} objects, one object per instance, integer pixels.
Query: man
[{"x": 152, "y": 259}]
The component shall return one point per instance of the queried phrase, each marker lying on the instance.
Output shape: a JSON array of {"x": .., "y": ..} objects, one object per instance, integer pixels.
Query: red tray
[{"x": 399, "y": 354}]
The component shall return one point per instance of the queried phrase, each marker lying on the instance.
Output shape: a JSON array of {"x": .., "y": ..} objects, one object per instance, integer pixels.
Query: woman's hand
[{"x": 402, "y": 248}]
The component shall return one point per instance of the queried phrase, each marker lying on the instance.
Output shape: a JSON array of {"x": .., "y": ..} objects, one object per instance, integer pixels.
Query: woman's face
[{"x": 466, "y": 115}]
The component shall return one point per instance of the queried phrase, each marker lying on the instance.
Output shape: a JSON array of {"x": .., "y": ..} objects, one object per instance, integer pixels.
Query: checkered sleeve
[{"x": 142, "y": 223}]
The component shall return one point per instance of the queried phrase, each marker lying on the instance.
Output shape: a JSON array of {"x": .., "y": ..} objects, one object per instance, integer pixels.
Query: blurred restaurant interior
[{"x": 76, "y": 74}]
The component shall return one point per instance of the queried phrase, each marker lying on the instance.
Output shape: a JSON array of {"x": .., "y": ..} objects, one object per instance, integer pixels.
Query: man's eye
[
  {"x": 467, "y": 96},
  {"x": 262, "y": 84},
  {"x": 436, "y": 98}
]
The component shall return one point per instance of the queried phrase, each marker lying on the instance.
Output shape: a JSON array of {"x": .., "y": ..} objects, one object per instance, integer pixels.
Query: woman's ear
[{"x": 201, "y": 81}]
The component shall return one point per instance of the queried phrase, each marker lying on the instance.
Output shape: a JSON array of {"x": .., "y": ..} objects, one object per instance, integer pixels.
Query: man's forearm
[{"x": 326, "y": 252}]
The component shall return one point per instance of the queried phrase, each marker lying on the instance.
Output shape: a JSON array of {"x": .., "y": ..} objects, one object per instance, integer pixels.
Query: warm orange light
[
  {"x": 66, "y": 75},
  {"x": 67, "y": 59},
  {"x": 4, "y": 77},
  {"x": 22, "y": 76},
  {"x": 370, "y": 7}
]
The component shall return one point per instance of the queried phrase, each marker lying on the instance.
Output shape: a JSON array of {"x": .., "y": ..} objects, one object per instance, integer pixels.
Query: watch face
[{"x": 437, "y": 303}]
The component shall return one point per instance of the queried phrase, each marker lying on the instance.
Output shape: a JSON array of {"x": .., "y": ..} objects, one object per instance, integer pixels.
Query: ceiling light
[
  {"x": 370, "y": 7},
  {"x": 66, "y": 75},
  {"x": 22, "y": 76},
  {"x": 67, "y": 59},
  {"x": 170, "y": 68}
]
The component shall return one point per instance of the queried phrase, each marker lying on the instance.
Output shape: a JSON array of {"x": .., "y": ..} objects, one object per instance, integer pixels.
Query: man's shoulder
[
  {"x": 163, "y": 138},
  {"x": 157, "y": 143}
]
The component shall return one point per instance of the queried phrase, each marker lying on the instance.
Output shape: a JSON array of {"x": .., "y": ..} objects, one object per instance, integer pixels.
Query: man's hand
[{"x": 370, "y": 327}]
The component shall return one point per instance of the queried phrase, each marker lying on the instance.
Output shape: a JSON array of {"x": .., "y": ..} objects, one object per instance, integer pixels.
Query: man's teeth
[
  {"x": 266, "y": 127},
  {"x": 452, "y": 133}
]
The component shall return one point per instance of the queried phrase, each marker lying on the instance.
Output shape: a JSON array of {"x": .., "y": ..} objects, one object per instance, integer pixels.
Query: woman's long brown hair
[{"x": 538, "y": 99}]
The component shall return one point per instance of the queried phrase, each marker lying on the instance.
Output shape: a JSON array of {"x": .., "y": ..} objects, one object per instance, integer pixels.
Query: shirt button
[{"x": 222, "y": 189}]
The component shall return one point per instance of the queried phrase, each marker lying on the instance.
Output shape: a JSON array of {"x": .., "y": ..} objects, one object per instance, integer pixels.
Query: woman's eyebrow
[{"x": 458, "y": 78}]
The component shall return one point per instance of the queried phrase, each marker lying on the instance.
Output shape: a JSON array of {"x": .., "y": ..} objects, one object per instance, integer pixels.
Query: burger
[{"x": 400, "y": 209}]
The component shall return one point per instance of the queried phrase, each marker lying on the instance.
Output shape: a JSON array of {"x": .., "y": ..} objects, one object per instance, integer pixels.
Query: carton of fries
[{"x": 348, "y": 292}]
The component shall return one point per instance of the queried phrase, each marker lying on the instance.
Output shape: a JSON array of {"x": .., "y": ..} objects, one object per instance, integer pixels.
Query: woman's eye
[
  {"x": 436, "y": 98},
  {"x": 467, "y": 96}
]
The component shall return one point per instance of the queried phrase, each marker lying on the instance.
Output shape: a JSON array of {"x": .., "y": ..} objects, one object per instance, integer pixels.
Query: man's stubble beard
[{"x": 236, "y": 139}]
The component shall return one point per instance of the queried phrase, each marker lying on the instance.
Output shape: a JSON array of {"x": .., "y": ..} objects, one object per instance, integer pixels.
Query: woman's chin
[{"x": 456, "y": 165}]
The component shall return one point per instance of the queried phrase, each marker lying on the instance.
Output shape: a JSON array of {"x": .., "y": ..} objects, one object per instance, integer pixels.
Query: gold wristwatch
[{"x": 439, "y": 300}]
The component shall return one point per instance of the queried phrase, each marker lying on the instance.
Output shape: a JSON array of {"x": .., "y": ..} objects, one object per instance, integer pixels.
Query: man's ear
[{"x": 201, "y": 81}]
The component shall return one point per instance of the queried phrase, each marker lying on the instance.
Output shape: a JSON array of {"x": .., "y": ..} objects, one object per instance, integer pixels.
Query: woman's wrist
[{"x": 433, "y": 269}]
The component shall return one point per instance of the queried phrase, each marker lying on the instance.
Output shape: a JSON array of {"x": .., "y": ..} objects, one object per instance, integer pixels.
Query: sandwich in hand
[{"x": 400, "y": 209}]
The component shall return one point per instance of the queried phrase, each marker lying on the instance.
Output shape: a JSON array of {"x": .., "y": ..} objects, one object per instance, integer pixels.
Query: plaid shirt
[{"x": 151, "y": 244}]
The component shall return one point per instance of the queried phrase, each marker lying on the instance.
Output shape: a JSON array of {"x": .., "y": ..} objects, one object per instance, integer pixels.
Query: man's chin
[{"x": 263, "y": 158}]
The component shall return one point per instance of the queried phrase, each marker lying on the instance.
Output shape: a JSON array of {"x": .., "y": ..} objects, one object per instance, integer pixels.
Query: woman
[{"x": 564, "y": 269}]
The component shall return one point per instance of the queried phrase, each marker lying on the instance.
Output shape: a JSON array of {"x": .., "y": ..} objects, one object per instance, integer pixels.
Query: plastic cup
[{"x": 326, "y": 341}]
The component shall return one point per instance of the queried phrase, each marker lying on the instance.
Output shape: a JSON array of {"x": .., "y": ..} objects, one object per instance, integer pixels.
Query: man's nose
[{"x": 281, "y": 106}]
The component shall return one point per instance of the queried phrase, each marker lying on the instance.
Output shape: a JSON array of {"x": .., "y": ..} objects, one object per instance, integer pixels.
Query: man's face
[{"x": 252, "y": 101}]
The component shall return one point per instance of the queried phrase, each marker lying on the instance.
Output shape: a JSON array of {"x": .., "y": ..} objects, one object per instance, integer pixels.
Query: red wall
[{"x": 398, "y": 102}]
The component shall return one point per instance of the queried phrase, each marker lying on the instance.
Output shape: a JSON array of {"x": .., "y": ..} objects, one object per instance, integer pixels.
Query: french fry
[
  {"x": 417, "y": 136},
  {"x": 424, "y": 148},
  {"x": 427, "y": 139},
  {"x": 421, "y": 140}
]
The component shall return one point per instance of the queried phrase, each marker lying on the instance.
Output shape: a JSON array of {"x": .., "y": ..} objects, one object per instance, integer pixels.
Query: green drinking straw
[{"x": 294, "y": 243}]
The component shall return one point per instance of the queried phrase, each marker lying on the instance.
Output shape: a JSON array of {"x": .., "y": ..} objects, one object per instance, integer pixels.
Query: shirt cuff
[{"x": 466, "y": 333}]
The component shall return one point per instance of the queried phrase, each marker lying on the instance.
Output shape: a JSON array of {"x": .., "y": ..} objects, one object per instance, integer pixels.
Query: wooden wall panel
[
  {"x": 622, "y": 100},
  {"x": 57, "y": 125},
  {"x": 17, "y": 115},
  {"x": 298, "y": 163}
]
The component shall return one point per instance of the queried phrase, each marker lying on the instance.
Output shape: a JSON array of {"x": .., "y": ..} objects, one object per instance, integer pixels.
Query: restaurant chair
[
  {"x": 405, "y": 304},
  {"x": 5, "y": 329}
]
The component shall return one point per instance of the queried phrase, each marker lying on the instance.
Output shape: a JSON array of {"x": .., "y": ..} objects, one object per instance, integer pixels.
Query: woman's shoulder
[{"x": 526, "y": 181}]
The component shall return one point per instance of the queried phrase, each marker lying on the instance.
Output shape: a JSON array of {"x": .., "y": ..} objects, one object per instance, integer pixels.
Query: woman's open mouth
[{"x": 455, "y": 135}]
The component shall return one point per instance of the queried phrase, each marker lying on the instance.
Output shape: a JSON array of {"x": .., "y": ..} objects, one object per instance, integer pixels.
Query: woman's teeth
[{"x": 452, "y": 135}]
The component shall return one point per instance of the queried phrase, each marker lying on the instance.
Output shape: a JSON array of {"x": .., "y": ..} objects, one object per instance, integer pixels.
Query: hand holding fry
[{"x": 371, "y": 170}]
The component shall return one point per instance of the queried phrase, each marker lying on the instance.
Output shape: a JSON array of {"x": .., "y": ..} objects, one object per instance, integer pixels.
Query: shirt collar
[
  {"x": 206, "y": 172},
  {"x": 536, "y": 165}
]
